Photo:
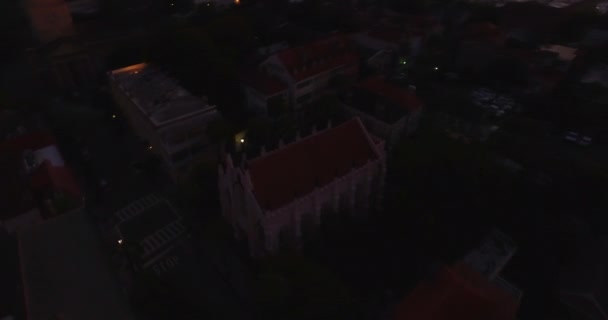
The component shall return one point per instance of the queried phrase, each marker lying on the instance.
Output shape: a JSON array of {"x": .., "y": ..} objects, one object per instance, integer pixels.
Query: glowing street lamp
[
  {"x": 242, "y": 140},
  {"x": 119, "y": 241},
  {"x": 113, "y": 116},
  {"x": 436, "y": 68}
]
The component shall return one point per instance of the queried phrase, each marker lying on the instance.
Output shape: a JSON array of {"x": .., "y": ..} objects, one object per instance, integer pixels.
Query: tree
[{"x": 16, "y": 32}]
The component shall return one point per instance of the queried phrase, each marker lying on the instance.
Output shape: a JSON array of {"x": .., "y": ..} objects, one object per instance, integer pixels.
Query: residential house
[
  {"x": 278, "y": 199},
  {"x": 265, "y": 93},
  {"x": 37, "y": 185},
  {"x": 171, "y": 120},
  {"x": 386, "y": 42},
  {"x": 387, "y": 110},
  {"x": 308, "y": 70},
  {"x": 458, "y": 292}
]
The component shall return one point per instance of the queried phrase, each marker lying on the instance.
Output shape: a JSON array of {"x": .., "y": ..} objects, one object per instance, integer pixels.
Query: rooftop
[
  {"x": 457, "y": 292},
  {"x": 149, "y": 225},
  {"x": 492, "y": 255},
  {"x": 317, "y": 57},
  {"x": 311, "y": 162},
  {"x": 158, "y": 97},
  {"x": 32, "y": 163},
  {"x": 65, "y": 273},
  {"x": 263, "y": 83},
  {"x": 392, "y": 93}
]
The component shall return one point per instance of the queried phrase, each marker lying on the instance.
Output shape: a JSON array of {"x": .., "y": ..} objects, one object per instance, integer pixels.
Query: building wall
[
  {"x": 158, "y": 138},
  {"x": 354, "y": 193},
  {"x": 315, "y": 85},
  {"x": 392, "y": 133},
  {"x": 23, "y": 221}
]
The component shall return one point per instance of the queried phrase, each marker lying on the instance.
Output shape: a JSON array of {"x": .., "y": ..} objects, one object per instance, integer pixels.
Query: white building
[
  {"x": 306, "y": 71},
  {"x": 170, "y": 119},
  {"x": 387, "y": 110},
  {"x": 279, "y": 199}
]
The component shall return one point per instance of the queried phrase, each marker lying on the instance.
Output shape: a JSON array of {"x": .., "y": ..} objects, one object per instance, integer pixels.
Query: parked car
[{"x": 578, "y": 138}]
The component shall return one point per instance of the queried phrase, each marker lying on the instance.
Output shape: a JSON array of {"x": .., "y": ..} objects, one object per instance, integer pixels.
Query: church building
[{"x": 279, "y": 199}]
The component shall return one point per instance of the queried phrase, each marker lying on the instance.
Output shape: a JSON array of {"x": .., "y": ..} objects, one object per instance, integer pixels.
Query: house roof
[
  {"x": 484, "y": 32},
  {"x": 55, "y": 178},
  {"x": 457, "y": 293},
  {"x": 317, "y": 57},
  {"x": 393, "y": 93},
  {"x": 28, "y": 141},
  {"x": 279, "y": 177},
  {"x": 263, "y": 83}
]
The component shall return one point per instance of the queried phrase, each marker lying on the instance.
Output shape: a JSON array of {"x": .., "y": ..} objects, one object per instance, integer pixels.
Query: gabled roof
[
  {"x": 55, "y": 178},
  {"x": 457, "y": 293},
  {"x": 485, "y": 32},
  {"x": 28, "y": 141},
  {"x": 294, "y": 171},
  {"x": 396, "y": 95},
  {"x": 263, "y": 83},
  {"x": 317, "y": 57}
]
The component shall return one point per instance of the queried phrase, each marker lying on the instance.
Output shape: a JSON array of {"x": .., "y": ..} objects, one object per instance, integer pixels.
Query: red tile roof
[
  {"x": 55, "y": 178},
  {"x": 315, "y": 58},
  {"x": 457, "y": 293},
  {"x": 485, "y": 32},
  {"x": 264, "y": 83},
  {"x": 394, "y": 94},
  {"x": 28, "y": 141},
  {"x": 316, "y": 160}
]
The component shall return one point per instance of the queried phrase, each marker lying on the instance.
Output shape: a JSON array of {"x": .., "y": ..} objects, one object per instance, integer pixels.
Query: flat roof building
[{"x": 172, "y": 120}]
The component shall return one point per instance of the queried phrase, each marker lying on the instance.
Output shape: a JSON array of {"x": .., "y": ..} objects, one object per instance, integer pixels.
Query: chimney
[
  {"x": 263, "y": 151},
  {"x": 281, "y": 144},
  {"x": 314, "y": 129},
  {"x": 329, "y": 124},
  {"x": 298, "y": 135}
]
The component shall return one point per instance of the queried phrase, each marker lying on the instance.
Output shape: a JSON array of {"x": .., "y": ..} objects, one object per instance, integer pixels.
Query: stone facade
[{"x": 266, "y": 231}]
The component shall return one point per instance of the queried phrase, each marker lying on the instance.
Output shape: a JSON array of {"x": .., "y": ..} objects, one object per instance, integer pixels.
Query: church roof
[{"x": 298, "y": 168}]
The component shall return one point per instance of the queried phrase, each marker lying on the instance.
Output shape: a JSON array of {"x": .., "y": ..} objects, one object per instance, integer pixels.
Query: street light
[
  {"x": 149, "y": 147},
  {"x": 113, "y": 116},
  {"x": 242, "y": 140},
  {"x": 119, "y": 241},
  {"x": 436, "y": 68}
]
